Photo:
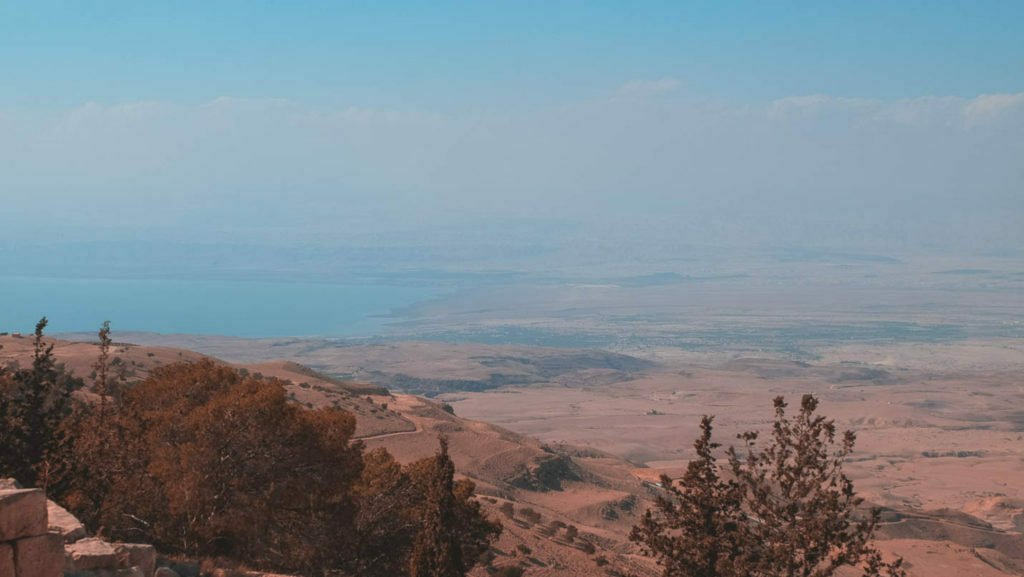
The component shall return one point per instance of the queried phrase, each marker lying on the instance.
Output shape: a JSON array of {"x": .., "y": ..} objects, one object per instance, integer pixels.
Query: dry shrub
[{"x": 205, "y": 462}]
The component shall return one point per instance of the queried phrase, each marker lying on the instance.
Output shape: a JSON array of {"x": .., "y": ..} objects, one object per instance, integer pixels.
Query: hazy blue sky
[{"x": 801, "y": 123}]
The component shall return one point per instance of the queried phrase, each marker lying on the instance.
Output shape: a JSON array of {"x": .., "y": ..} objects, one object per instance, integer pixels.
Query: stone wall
[
  {"x": 27, "y": 547},
  {"x": 39, "y": 538}
]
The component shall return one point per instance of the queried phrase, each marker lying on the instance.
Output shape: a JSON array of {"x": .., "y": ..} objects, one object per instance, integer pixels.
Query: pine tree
[
  {"x": 437, "y": 551},
  {"x": 35, "y": 402},
  {"x": 103, "y": 386},
  {"x": 93, "y": 464},
  {"x": 788, "y": 510},
  {"x": 693, "y": 529},
  {"x": 809, "y": 521}
]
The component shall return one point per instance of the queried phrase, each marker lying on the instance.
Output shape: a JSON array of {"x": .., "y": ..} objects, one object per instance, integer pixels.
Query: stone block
[
  {"x": 90, "y": 555},
  {"x": 63, "y": 522},
  {"x": 6, "y": 560},
  {"x": 22, "y": 514},
  {"x": 41, "y": 556}
]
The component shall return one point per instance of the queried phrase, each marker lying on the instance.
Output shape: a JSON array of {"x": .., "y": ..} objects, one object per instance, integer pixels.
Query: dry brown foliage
[{"x": 212, "y": 463}]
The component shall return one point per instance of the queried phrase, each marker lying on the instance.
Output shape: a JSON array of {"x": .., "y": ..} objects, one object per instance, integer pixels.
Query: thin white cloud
[
  {"x": 924, "y": 111},
  {"x": 988, "y": 107}
]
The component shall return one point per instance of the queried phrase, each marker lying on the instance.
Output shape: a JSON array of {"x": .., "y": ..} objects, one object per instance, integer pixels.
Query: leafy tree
[
  {"x": 205, "y": 461},
  {"x": 215, "y": 464},
  {"x": 34, "y": 402},
  {"x": 788, "y": 509}
]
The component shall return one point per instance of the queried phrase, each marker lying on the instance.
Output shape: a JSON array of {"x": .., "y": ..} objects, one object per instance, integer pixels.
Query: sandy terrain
[{"x": 927, "y": 442}]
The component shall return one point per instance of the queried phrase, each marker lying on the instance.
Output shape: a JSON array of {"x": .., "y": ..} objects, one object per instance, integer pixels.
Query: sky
[{"x": 812, "y": 124}]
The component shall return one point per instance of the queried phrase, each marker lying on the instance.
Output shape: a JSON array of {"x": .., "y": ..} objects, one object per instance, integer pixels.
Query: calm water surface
[{"x": 236, "y": 308}]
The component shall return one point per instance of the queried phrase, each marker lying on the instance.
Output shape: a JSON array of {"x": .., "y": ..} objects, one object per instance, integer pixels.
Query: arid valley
[{"x": 581, "y": 435}]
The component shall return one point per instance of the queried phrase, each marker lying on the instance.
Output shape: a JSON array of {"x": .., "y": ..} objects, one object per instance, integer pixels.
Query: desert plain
[{"x": 565, "y": 398}]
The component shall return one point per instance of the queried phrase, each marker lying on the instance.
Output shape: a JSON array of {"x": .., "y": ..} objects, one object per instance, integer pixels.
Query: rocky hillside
[{"x": 538, "y": 491}]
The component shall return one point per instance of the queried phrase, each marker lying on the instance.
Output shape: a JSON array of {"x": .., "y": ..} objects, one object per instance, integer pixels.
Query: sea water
[{"x": 232, "y": 308}]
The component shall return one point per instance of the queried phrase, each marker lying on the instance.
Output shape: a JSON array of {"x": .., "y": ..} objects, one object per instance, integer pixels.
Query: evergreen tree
[
  {"x": 103, "y": 385},
  {"x": 93, "y": 460},
  {"x": 788, "y": 510},
  {"x": 693, "y": 529},
  {"x": 437, "y": 551},
  {"x": 809, "y": 521},
  {"x": 33, "y": 407}
]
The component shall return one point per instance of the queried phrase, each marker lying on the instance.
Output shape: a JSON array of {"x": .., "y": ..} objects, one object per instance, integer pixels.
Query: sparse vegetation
[
  {"x": 571, "y": 532},
  {"x": 530, "y": 515},
  {"x": 509, "y": 571}
]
